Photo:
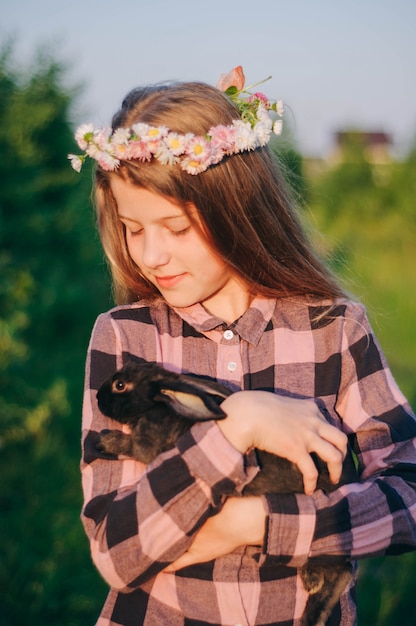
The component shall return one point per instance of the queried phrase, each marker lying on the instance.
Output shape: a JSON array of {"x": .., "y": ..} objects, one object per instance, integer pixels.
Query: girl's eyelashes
[
  {"x": 175, "y": 233},
  {"x": 178, "y": 229},
  {"x": 183, "y": 231},
  {"x": 134, "y": 233},
  {"x": 131, "y": 230}
]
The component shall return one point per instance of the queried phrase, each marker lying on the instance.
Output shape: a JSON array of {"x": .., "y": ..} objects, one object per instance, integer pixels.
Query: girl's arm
[
  {"x": 287, "y": 427},
  {"x": 240, "y": 522},
  {"x": 374, "y": 516},
  {"x": 377, "y": 515},
  {"x": 141, "y": 518}
]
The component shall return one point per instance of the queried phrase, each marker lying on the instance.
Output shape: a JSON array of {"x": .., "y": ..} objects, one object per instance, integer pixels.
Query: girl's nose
[{"x": 155, "y": 251}]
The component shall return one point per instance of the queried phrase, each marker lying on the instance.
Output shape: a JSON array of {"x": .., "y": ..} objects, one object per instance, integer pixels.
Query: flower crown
[{"x": 194, "y": 153}]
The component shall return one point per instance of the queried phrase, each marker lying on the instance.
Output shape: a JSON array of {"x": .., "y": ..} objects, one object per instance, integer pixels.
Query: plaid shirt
[{"x": 140, "y": 518}]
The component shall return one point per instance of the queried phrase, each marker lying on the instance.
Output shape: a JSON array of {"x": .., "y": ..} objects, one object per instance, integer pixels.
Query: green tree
[
  {"x": 366, "y": 213},
  {"x": 52, "y": 285}
]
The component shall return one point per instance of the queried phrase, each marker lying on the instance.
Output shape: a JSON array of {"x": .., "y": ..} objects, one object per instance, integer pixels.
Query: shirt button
[
  {"x": 228, "y": 334},
  {"x": 232, "y": 366}
]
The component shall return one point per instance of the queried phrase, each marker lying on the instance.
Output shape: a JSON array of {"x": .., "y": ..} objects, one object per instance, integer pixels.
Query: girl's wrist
[{"x": 237, "y": 427}]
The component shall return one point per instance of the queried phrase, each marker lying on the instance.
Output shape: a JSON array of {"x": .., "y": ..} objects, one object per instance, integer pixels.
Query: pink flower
[
  {"x": 140, "y": 150},
  {"x": 260, "y": 97},
  {"x": 108, "y": 162},
  {"x": 222, "y": 136},
  {"x": 120, "y": 150},
  {"x": 234, "y": 78},
  {"x": 102, "y": 138},
  {"x": 217, "y": 154}
]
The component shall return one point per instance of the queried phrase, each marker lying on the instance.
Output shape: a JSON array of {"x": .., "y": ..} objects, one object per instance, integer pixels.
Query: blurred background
[{"x": 346, "y": 74}]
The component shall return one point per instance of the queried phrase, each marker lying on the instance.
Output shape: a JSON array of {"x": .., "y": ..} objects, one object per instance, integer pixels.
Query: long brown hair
[{"x": 243, "y": 202}]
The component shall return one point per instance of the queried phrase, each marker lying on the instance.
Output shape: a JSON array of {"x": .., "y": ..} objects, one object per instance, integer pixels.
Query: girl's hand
[
  {"x": 288, "y": 427},
  {"x": 240, "y": 522}
]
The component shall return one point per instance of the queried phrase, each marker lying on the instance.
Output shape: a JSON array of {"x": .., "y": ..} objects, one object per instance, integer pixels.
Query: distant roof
[{"x": 368, "y": 138}]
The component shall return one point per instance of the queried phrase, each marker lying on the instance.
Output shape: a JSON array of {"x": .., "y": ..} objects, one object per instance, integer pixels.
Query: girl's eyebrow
[
  {"x": 161, "y": 219},
  {"x": 127, "y": 219}
]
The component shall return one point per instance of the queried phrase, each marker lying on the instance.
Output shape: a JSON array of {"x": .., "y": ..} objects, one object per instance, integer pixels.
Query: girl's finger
[
  {"x": 309, "y": 472},
  {"x": 334, "y": 436},
  {"x": 332, "y": 456}
]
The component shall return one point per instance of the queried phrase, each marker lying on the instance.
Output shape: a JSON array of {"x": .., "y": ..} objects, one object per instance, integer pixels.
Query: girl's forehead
[
  {"x": 126, "y": 194},
  {"x": 137, "y": 203}
]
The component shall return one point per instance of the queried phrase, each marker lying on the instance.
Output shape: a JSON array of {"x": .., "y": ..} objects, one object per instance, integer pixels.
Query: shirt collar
[{"x": 250, "y": 326}]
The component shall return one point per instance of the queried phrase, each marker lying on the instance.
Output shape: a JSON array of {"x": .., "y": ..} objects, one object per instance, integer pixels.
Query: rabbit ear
[{"x": 197, "y": 399}]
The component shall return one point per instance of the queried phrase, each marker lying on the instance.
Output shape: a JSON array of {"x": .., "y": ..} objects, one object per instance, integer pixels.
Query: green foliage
[
  {"x": 367, "y": 215},
  {"x": 52, "y": 285}
]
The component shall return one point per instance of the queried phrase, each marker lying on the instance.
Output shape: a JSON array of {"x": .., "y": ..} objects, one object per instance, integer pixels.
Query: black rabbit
[{"x": 160, "y": 405}]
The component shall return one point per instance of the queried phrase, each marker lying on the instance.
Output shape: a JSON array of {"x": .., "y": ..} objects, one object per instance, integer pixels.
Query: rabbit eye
[{"x": 119, "y": 386}]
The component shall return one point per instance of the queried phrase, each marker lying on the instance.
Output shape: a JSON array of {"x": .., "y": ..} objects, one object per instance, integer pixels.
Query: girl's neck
[{"x": 230, "y": 305}]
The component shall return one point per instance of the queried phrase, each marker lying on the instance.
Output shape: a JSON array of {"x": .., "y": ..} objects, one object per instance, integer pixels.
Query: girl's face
[{"x": 172, "y": 253}]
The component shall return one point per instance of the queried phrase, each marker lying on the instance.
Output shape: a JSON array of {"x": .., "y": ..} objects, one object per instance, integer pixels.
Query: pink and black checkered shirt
[{"x": 141, "y": 518}]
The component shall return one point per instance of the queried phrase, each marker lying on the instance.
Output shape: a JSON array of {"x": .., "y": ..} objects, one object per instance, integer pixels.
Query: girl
[{"x": 214, "y": 276}]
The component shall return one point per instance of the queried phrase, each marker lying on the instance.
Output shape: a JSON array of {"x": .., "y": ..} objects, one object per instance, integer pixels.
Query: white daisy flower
[
  {"x": 140, "y": 129},
  {"x": 76, "y": 162},
  {"x": 121, "y": 135},
  {"x": 177, "y": 143},
  {"x": 262, "y": 133},
  {"x": 245, "y": 138},
  {"x": 150, "y": 133},
  {"x": 264, "y": 117},
  {"x": 192, "y": 166},
  {"x": 278, "y": 127},
  {"x": 81, "y": 132},
  {"x": 93, "y": 151},
  {"x": 165, "y": 155}
]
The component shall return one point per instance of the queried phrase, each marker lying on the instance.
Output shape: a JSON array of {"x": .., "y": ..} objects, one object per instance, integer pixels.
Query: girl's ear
[{"x": 196, "y": 399}]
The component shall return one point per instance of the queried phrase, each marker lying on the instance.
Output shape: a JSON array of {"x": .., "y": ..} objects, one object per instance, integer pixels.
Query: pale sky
[{"x": 336, "y": 64}]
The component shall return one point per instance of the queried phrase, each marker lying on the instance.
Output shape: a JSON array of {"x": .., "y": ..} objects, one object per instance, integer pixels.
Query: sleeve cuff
[{"x": 290, "y": 527}]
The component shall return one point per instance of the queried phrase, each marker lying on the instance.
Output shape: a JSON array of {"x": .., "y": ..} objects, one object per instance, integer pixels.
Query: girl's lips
[{"x": 168, "y": 281}]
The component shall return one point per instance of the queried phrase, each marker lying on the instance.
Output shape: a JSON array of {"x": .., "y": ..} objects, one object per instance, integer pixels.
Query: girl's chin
[{"x": 178, "y": 302}]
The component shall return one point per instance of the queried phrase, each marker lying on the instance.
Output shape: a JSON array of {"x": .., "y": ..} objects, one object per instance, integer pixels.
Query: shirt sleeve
[
  {"x": 140, "y": 518},
  {"x": 377, "y": 514}
]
